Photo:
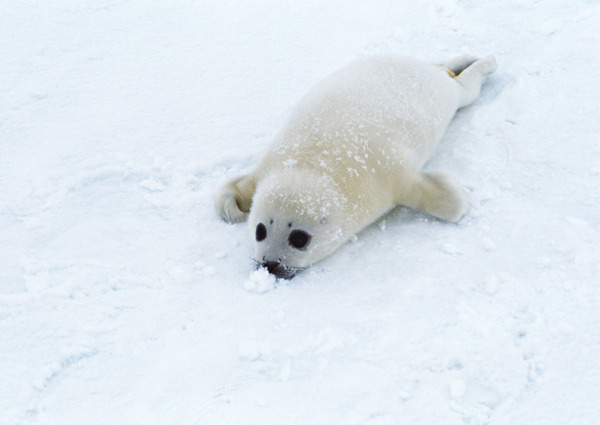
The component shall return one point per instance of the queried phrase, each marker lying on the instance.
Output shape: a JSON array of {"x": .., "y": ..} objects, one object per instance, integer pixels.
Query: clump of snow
[
  {"x": 249, "y": 350},
  {"x": 450, "y": 248},
  {"x": 488, "y": 244},
  {"x": 260, "y": 281},
  {"x": 152, "y": 185}
]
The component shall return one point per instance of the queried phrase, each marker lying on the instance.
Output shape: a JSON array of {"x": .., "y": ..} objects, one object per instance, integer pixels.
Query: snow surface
[{"x": 124, "y": 300}]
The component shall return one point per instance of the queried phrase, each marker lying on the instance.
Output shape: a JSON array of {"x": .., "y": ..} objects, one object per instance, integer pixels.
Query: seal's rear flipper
[
  {"x": 472, "y": 78},
  {"x": 459, "y": 63}
]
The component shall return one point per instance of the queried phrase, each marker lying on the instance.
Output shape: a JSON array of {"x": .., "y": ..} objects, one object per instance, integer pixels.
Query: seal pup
[{"x": 353, "y": 149}]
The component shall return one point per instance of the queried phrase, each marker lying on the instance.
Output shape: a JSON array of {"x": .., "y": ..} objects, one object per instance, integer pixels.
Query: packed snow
[{"x": 125, "y": 300}]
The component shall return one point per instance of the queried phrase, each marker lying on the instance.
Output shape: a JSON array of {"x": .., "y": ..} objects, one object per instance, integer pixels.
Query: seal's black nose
[
  {"x": 281, "y": 271},
  {"x": 272, "y": 266}
]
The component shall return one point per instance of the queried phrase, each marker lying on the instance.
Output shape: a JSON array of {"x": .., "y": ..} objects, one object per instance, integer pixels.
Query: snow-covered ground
[{"x": 124, "y": 300}]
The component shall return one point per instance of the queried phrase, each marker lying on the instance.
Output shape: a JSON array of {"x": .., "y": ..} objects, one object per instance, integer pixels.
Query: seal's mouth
[{"x": 278, "y": 269}]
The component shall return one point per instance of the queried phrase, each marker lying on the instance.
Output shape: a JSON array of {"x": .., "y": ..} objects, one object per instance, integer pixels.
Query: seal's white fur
[{"x": 353, "y": 149}]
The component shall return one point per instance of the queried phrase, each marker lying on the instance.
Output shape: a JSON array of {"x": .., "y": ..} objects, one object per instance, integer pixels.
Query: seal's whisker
[{"x": 256, "y": 263}]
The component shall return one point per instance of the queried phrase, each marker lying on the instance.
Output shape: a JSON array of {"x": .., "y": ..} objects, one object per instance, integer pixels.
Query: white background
[{"x": 124, "y": 300}]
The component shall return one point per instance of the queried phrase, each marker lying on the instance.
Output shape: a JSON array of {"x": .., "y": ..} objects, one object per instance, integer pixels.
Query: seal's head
[{"x": 297, "y": 218}]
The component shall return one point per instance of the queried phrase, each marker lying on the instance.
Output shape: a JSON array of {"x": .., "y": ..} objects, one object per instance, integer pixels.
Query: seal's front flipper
[
  {"x": 235, "y": 198},
  {"x": 437, "y": 195}
]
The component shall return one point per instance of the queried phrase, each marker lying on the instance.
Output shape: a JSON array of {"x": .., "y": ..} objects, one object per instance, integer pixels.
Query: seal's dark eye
[
  {"x": 299, "y": 239},
  {"x": 261, "y": 232}
]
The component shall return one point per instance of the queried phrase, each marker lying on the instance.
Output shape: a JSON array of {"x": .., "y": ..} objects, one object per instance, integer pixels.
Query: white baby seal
[{"x": 353, "y": 149}]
